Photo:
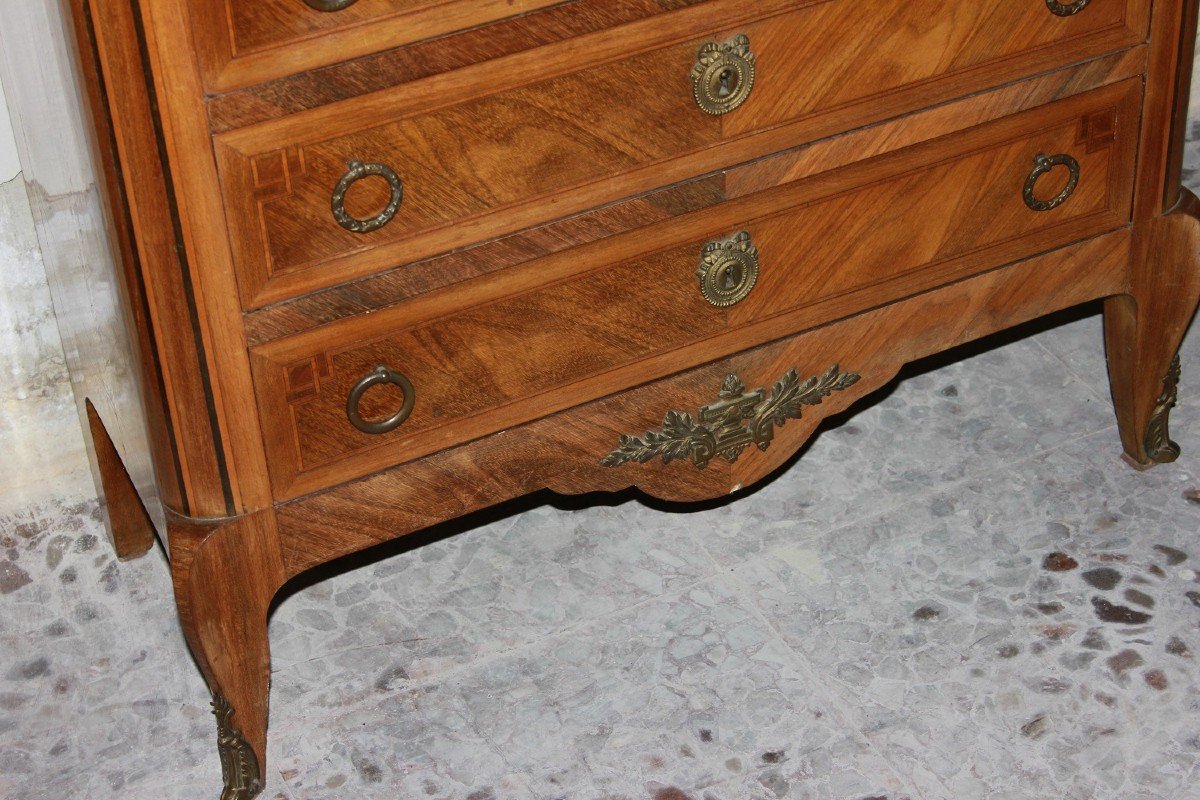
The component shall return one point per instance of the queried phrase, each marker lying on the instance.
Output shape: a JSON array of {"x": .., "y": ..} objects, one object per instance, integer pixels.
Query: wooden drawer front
[
  {"x": 570, "y": 327},
  {"x": 250, "y": 41},
  {"x": 472, "y": 169}
]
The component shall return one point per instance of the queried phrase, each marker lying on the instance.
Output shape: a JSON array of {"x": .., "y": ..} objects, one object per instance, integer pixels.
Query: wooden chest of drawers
[{"x": 393, "y": 261}]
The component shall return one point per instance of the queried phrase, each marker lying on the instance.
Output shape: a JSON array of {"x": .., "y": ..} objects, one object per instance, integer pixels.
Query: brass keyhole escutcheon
[
  {"x": 1061, "y": 9},
  {"x": 728, "y": 270},
  {"x": 723, "y": 75},
  {"x": 1044, "y": 165},
  {"x": 329, "y": 5}
]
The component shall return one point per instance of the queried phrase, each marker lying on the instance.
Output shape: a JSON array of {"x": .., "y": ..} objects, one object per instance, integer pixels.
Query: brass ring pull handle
[
  {"x": 1066, "y": 9},
  {"x": 330, "y": 5},
  {"x": 380, "y": 376},
  {"x": 728, "y": 270},
  {"x": 1043, "y": 164},
  {"x": 723, "y": 75},
  {"x": 358, "y": 170}
]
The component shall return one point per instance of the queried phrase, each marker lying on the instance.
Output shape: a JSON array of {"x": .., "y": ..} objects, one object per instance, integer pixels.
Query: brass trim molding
[
  {"x": 737, "y": 420},
  {"x": 1159, "y": 446},
  {"x": 239, "y": 764}
]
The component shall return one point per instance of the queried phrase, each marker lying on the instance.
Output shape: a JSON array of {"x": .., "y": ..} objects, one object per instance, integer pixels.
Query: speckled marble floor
[{"x": 958, "y": 592}]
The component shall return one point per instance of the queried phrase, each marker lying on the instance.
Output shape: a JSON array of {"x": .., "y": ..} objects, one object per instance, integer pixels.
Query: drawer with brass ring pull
[
  {"x": 491, "y": 355},
  {"x": 476, "y": 163}
]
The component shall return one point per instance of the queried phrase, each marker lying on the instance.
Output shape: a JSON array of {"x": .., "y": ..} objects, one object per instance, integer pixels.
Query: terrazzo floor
[{"x": 957, "y": 592}]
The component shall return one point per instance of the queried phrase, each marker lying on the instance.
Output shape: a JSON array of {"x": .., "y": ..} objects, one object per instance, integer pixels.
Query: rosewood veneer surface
[{"x": 403, "y": 261}]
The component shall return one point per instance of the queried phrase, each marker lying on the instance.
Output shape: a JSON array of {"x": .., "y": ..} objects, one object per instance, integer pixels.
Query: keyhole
[
  {"x": 729, "y": 277},
  {"x": 732, "y": 279},
  {"x": 726, "y": 79}
]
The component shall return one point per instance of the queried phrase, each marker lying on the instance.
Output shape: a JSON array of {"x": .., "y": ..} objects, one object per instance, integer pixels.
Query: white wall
[
  {"x": 9, "y": 165},
  {"x": 45, "y": 106}
]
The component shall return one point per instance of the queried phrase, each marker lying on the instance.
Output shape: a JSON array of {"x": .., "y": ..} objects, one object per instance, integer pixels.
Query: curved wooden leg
[
  {"x": 1144, "y": 328},
  {"x": 129, "y": 525},
  {"x": 225, "y": 574}
]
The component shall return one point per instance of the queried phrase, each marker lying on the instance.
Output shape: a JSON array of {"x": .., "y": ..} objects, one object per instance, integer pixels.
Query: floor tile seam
[
  {"x": 818, "y": 681},
  {"x": 845, "y": 708},
  {"x": 617, "y": 610},
  {"x": 923, "y": 495},
  {"x": 731, "y": 577},
  {"x": 177, "y": 702},
  {"x": 949, "y": 486},
  {"x": 1093, "y": 385},
  {"x": 451, "y": 674}
]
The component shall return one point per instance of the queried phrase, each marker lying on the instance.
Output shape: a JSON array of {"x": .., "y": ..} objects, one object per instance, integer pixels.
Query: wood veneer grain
[
  {"x": 528, "y": 150},
  {"x": 403, "y": 283},
  {"x": 949, "y": 206}
]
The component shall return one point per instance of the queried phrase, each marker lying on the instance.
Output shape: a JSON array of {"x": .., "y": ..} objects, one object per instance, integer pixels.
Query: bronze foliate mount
[
  {"x": 239, "y": 764},
  {"x": 737, "y": 420},
  {"x": 1159, "y": 446}
]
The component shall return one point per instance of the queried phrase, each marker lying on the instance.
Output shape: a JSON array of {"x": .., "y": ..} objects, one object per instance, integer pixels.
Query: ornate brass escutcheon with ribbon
[
  {"x": 737, "y": 420},
  {"x": 723, "y": 75},
  {"x": 329, "y": 5},
  {"x": 728, "y": 270},
  {"x": 1066, "y": 9}
]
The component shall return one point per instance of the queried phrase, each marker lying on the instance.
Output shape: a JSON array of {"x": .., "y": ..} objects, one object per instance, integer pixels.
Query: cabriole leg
[
  {"x": 225, "y": 574},
  {"x": 1144, "y": 328}
]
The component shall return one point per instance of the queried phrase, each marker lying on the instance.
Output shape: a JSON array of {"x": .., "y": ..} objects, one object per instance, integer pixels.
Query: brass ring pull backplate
[
  {"x": 1043, "y": 164},
  {"x": 728, "y": 270},
  {"x": 358, "y": 170},
  {"x": 1066, "y": 9},
  {"x": 723, "y": 75},
  {"x": 380, "y": 376},
  {"x": 330, "y": 5}
]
